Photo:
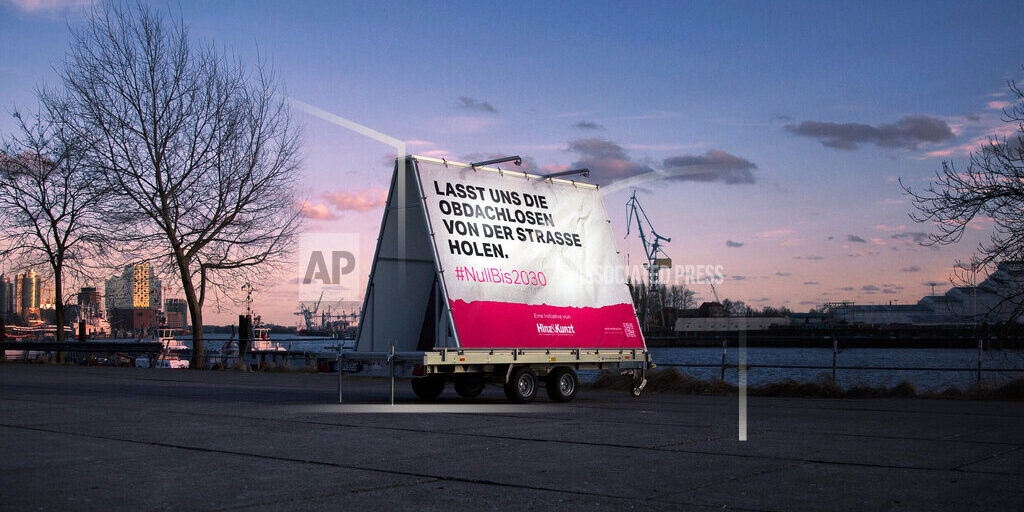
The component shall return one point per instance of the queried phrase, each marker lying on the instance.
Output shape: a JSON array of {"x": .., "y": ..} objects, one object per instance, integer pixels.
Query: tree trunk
[
  {"x": 198, "y": 346},
  {"x": 58, "y": 305},
  {"x": 195, "y": 311}
]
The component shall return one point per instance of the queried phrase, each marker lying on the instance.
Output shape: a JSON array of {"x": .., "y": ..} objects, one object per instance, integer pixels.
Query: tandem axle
[{"x": 519, "y": 371}]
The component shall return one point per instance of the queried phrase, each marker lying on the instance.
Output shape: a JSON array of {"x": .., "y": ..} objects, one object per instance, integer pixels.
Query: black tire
[
  {"x": 521, "y": 386},
  {"x": 469, "y": 385},
  {"x": 428, "y": 388},
  {"x": 562, "y": 384}
]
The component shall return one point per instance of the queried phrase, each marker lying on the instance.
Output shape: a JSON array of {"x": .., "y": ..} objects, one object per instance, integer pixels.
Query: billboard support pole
[
  {"x": 437, "y": 256},
  {"x": 391, "y": 364},
  {"x": 368, "y": 295}
]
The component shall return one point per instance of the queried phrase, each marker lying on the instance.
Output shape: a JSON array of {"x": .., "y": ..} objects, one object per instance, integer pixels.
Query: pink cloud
[
  {"x": 317, "y": 211},
  {"x": 998, "y": 105},
  {"x": 361, "y": 200},
  {"x": 49, "y": 5},
  {"x": 436, "y": 153},
  {"x": 997, "y": 133},
  {"x": 883, "y": 227},
  {"x": 551, "y": 169},
  {"x": 775, "y": 233}
]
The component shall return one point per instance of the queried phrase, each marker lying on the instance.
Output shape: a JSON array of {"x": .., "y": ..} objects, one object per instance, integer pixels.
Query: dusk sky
[{"x": 780, "y": 127}]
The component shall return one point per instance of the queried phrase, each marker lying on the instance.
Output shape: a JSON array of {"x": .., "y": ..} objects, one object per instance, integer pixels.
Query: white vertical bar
[{"x": 742, "y": 381}]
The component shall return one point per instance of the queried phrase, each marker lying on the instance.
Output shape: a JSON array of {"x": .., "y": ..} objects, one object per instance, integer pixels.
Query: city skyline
[{"x": 800, "y": 118}]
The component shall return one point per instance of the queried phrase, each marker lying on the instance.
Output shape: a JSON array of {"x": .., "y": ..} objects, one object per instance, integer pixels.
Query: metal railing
[{"x": 978, "y": 369}]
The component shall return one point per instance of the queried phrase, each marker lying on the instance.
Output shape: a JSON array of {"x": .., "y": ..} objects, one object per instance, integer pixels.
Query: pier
[{"x": 110, "y": 438}]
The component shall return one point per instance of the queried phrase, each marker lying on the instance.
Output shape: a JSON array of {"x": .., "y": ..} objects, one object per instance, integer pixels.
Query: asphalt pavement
[{"x": 103, "y": 438}]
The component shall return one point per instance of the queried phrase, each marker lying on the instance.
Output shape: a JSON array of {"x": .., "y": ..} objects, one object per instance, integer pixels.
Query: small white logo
[{"x": 628, "y": 328}]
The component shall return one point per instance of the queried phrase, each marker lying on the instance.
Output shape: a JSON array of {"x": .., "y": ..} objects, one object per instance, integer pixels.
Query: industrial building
[
  {"x": 718, "y": 324},
  {"x": 991, "y": 301}
]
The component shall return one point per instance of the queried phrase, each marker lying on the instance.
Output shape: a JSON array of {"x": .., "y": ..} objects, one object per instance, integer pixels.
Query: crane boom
[{"x": 656, "y": 258}]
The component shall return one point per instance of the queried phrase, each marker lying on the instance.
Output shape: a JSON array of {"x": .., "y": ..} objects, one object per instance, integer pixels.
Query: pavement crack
[
  {"x": 357, "y": 467},
  {"x": 321, "y": 496},
  {"x": 987, "y": 457}
]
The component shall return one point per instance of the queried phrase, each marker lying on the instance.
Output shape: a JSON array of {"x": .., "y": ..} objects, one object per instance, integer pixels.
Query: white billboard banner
[{"x": 527, "y": 262}]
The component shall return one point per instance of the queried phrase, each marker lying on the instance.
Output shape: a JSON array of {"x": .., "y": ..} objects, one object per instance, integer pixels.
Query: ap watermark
[{"x": 327, "y": 268}]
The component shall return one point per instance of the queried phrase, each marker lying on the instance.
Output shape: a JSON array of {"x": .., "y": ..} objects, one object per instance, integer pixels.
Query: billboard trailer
[{"x": 483, "y": 275}]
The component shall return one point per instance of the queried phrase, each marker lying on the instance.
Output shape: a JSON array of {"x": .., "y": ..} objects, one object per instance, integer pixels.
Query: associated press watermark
[
  {"x": 677, "y": 275},
  {"x": 326, "y": 266}
]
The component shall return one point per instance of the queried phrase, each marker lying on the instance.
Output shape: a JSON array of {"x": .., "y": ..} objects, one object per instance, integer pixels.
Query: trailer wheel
[
  {"x": 521, "y": 386},
  {"x": 562, "y": 384},
  {"x": 428, "y": 388},
  {"x": 469, "y": 385}
]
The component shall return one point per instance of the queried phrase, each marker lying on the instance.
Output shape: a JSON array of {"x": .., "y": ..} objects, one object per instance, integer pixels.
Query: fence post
[
  {"x": 725, "y": 338},
  {"x": 979, "y": 365},
  {"x": 339, "y": 374},
  {"x": 391, "y": 363},
  {"x": 835, "y": 355}
]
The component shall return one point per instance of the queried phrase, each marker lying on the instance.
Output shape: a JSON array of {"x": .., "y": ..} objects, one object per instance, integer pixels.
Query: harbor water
[{"x": 917, "y": 358}]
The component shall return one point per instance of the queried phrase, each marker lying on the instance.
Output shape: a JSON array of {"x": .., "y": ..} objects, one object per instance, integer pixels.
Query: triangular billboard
[{"x": 480, "y": 257}]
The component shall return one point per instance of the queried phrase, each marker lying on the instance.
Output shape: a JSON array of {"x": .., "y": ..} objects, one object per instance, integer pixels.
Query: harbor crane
[
  {"x": 656, "y": 258},
  {"x": 308, "y": 313}
]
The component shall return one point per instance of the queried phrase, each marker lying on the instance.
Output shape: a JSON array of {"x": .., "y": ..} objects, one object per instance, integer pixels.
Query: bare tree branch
[
  {"x": 200, "y": 151},
  {"x": 990, "y": 186},
  {"x": 51, "y": 206}
]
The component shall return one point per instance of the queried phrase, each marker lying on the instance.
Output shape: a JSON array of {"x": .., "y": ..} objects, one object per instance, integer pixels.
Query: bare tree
[
  {"x": 199, "y": 149},
  {"x": 50, "y": 206},
  {"x": 681, "y": 297},
  {"x": 736, "y": 308},
  {"x": 989, "y": 186}
]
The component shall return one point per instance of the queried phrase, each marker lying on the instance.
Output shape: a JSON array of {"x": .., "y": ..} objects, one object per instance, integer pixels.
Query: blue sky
[{"x": 661, "y": 82}]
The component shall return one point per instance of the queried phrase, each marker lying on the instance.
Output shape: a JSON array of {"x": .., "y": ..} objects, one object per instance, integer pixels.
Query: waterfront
[{"x": 924, "y": 380}]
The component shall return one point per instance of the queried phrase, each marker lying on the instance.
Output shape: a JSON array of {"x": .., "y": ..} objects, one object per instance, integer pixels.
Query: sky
[{"x": 779, "y": 129}]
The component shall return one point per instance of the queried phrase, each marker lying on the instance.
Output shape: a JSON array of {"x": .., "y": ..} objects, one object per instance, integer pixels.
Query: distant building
[
  {"x": 140, "y": 319},
  {"x": 706, "y": 324},
  {"x": 176, "y": 313},
  {"x": 6, "y": 296},
  {"x": 132, "y": 299},
  {"x": 712, "y": 310},
  {"x": 963, "y": 305},
  {"x": 90, "y": 311},
  {"x": 136, "y": 287},
  {"x": 27, "y": 296},
  {"x": 89, "y": 302}
]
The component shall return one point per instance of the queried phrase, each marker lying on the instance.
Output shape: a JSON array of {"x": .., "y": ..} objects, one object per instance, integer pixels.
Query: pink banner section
[{"x": 487, "y": 324}]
